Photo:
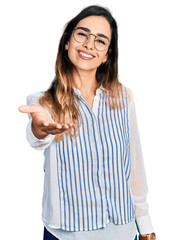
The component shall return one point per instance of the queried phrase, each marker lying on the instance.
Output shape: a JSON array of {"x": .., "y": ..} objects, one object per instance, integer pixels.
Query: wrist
[
  {"x": 150, "y": 236},
  {"x": 37, "y": 132}
]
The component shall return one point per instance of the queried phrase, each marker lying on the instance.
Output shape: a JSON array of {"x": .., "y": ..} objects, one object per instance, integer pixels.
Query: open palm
[{"x": 42, "y": 124}]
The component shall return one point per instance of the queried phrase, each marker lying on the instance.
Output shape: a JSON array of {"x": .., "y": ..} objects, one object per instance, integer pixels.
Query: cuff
[
  {"x": 144, "y": 225},
  {"x": 36, "y": 143}
]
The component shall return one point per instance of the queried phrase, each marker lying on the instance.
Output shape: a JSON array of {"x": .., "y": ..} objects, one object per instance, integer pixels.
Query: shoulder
[
  {"x": 33, "y": 99},
  {"x": 128, "y": 94}
]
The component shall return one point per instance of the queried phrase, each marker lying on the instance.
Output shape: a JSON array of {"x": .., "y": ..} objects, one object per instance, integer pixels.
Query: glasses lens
[
  {"x": 101, "y": 43},
  {"x": 80, "y": 35}
]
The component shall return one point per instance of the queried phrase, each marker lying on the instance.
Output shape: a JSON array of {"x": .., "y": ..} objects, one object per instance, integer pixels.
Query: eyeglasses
[{"x": 101, "y": 42}]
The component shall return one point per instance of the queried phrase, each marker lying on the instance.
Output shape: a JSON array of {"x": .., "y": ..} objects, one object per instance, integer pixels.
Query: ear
[
  {"x": 67, "y": 46},
  {"x": 107, "y": 55},
  {"x": 110, "y": 50},
  {"x": 105, "y": 58}
]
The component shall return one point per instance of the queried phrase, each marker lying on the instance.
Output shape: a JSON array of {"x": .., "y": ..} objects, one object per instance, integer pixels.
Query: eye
[
  {"x": 82, "y": 34},
  {"x": 101, "y": 41}
]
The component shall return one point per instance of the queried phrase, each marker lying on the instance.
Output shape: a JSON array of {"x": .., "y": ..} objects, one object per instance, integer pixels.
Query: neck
[{"x": 85, "y": 81}]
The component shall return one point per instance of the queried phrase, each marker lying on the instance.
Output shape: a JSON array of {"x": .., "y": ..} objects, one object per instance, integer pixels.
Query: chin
[{"x": 86, "y": 67}]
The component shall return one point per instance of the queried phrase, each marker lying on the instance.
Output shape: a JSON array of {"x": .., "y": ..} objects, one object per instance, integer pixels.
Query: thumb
[{"x": 28, "y": 108}]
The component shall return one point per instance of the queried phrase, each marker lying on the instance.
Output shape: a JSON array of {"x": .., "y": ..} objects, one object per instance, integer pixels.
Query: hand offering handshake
[{"x": 42, "y": 124}]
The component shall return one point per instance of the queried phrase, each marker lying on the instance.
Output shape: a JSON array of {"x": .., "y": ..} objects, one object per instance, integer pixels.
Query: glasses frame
[{"x": 88, "y": 38}]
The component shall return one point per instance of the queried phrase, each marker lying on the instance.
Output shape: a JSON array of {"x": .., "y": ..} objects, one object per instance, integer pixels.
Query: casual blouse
[
  {"x": 99, "y": 178},
  {"x": 111, "y": 231}
]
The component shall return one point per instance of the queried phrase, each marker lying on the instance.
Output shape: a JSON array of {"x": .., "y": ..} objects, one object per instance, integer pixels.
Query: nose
[{"x": 89, "y": 44}]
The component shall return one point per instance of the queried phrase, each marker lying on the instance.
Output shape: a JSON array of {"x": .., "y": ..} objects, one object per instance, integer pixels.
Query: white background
[{"x": 30, "y": 32}]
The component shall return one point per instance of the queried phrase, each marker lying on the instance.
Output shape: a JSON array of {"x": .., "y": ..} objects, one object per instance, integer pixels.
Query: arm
[
  {"x": 139, "y": 186},
  {"x": 41, "y": 127},
  {"x": 38, "y": 144},
  {"x": 35, "y": 141}
]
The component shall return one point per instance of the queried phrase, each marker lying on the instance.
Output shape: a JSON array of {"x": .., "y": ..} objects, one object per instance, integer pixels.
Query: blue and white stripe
[{"x": 94, "y": 170}]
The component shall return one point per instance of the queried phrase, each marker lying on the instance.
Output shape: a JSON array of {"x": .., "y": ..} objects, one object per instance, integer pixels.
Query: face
[{"x": 85, "y": 56}]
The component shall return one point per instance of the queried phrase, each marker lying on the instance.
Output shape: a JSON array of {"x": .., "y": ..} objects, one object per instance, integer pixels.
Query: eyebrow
[{"x": 88, "y": 30}]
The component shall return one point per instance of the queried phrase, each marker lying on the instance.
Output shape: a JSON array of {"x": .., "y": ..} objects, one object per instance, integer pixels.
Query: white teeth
[{"x": 85, "y": 55}]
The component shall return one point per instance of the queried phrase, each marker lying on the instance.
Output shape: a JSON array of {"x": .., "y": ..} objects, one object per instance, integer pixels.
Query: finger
[
  {"x": 57, "y": 125},
  {"x": 28, "y": 108},
  {"x": 48, "y": 127},
  {"x": 70, "y": 124},
  {"x": 55, "y": 131},
  {"x": 67, "y": 126}
]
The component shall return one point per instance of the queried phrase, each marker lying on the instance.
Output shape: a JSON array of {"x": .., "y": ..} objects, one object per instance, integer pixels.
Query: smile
[{"x": 85, "y": 56}]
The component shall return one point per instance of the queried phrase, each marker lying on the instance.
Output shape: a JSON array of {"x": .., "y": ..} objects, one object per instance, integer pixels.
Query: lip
[{"x": 84, "y": 57}]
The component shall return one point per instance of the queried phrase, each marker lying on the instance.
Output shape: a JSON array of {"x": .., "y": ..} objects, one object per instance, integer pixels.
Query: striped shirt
[{"x": 87, "y": 181}]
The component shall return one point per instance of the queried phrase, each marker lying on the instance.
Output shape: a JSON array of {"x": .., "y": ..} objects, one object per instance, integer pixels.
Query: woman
[{"x": 95, "y": 185}]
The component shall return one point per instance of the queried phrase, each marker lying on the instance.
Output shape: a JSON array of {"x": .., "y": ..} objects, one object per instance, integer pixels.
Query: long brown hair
[{"x": 60, "y": 98}]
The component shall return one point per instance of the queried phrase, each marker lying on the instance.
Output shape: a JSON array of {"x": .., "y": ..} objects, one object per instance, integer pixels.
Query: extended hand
[{"x": 42, "y": 124}]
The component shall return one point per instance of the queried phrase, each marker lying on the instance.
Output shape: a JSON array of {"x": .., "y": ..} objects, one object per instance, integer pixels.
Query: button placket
[
  {"x": 95, "y": 112},
  {"x": 95, "y": 105}
]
